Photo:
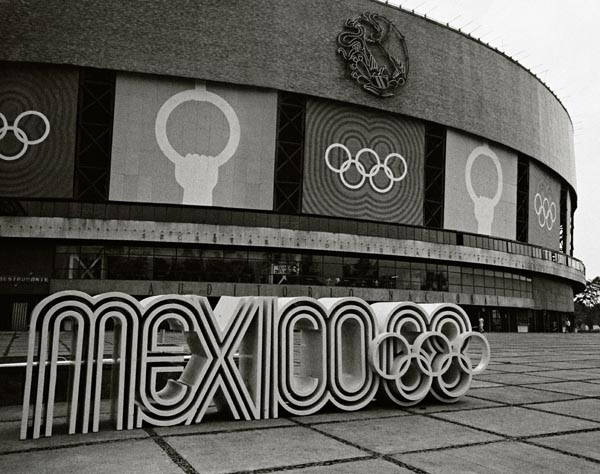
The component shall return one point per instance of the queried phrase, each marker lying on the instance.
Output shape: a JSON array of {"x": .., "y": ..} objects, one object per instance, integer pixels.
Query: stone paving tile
[
  {"x": 516, "y": 394},
  {"x": 464, "y": 403},
  {"x": 223, "y": 425},
  {"x": 568, "y": 374},
  {"x": 429, "y": 436},
  {"x": 574, "y": 365},
  {"x": 517, "y": 421},
  {"x": 586, "y": 408},
  {"x": 572, "y": 387},
  {"x": 409, "y": 433},
  {"x": 513, "y": 379},
  {"x": 355, "y": 467},
  {"x": 583, "y": 444},
  {"x": 499, "y": 458},
  {"x": 9, "y": 437},
  {"x": 482, "y": 384},
  {"x": 514, "y": 368},
  {"x": 143, "y": 456},
  {"x": 592, "y": 371},
  {"x": 381, "y": 412},
  {"x": 10, "y": 413},
  {"x": 277, "y": 447}
]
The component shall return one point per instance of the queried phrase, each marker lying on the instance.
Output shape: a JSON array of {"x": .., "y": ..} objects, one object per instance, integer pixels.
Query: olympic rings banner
[
  {"x": 254, "y": 357},
  {"x": 544, "y": 208},
  {"x": 363, "y": 164},
  {"x": 38, "y": 112}
]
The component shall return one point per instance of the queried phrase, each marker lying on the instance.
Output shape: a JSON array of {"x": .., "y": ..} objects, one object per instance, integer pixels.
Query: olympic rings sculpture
[
  {"x": 253, "y": 357},
  {"x": 20, "y": 133},
  {"x": 545, "y": 210},
  {"x": 361, "y": 169}
]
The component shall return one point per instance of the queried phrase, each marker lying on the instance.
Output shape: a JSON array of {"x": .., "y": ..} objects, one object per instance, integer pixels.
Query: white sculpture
[{"x": 253, "y": 356}]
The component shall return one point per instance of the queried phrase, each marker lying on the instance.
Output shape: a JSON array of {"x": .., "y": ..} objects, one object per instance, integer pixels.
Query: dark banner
[
  {"x": 363, "y": 164},
  {"x": 544, "y": 208},
  {"x": 38, "y": 112}
]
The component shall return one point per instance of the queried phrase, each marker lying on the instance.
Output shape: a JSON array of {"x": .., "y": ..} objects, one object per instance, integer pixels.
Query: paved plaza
[{"x": 535, "y": 409}]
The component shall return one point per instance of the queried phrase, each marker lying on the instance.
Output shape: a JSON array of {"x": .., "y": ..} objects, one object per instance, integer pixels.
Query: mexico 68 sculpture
[{"x": 249, "y": 356}]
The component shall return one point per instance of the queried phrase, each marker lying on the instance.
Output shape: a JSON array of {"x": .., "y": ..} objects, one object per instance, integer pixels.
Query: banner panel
[
  {"x": 188, "y": 142},
  {"x": 544, "y": 208},
  {"x": 38, "y": 113},
  {"x": 363, "y": 164},
  {"x": 481, "y": 187}
]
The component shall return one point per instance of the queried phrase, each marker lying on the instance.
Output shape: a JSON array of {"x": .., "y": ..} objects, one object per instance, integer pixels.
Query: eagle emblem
[{"x": 365, "y": 44}]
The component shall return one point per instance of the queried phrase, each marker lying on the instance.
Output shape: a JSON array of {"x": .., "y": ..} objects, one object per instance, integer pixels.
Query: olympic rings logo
[
  {"x": 20, "y": 133},
  {"x": 361, "y": 169},
  {"x": 431, "y": 363},
  {"x": 545, "y": 210}
]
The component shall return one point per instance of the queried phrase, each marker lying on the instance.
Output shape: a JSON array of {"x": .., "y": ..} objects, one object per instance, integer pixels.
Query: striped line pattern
[
  {"x": 253, "y": 357},
  {"x": 46, "y": 169},
  {"x": 324, "y": 193}
]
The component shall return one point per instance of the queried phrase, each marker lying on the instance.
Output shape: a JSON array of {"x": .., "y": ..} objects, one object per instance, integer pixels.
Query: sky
[{"x": 557, "y": 40}]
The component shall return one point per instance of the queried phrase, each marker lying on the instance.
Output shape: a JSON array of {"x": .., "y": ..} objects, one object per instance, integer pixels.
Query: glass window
[
  {"x": 332, "y": 274},
  {"x": 140, "y": 267},
  {"x": 387, "y": 275},
  {"x": 141, "y": 251},
  {"x": 213, "y": 253},
  {"x": 189, "y": 252},
  {"x": 117, "y": 267},
  {"x": 170, "y": 251},
  {"x": 164, "y": 268},
  {"x": 116, "y": 250},
  {"x": 454, "y": 278}
]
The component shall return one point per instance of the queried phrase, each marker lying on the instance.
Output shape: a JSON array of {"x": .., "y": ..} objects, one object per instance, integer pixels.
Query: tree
[
  {"x": 590, "y": 296},
  {"x": 587, "y": 304}
]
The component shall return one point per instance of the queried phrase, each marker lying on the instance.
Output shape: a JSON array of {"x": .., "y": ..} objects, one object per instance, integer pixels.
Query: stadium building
[{"x": 279, "y": 148}]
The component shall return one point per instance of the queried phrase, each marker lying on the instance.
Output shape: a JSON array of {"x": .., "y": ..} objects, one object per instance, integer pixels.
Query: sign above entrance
[{"x": 376, "y": 53}]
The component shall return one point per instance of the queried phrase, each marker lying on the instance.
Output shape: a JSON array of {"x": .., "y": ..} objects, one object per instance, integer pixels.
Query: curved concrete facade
[
  {"x": 465, "y": 192},
  {"x": 453, "y": 79}
]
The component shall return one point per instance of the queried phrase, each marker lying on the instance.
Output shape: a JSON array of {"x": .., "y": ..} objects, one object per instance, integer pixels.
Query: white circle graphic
[
  {"x": 362, "y": 170},
  {"x": 199, "y": 94},
  {"x": 20, "y": 133},
  {"x": 483, "y": 150},
  {"x": 545, "y": 210}
]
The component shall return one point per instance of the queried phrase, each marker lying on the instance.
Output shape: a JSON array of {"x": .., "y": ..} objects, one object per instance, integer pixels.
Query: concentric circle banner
[
  {"x": 362, "y": 164},
  {"x": 38, "y": 113},
  {"x": 174, "y": 356}
]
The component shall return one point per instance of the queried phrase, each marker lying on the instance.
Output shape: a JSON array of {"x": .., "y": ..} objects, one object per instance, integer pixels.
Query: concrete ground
[{"x": 535, "y": 409}]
